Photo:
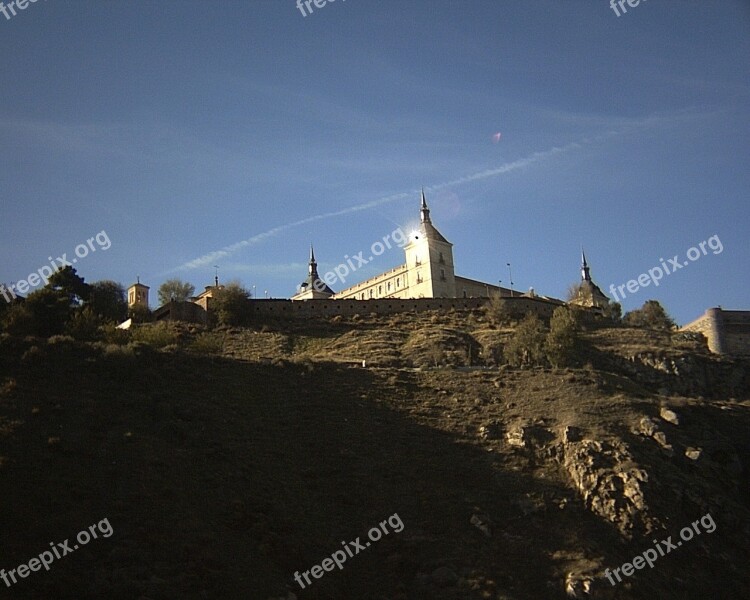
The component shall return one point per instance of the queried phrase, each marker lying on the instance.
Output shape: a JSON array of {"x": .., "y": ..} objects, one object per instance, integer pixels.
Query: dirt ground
[{"x": 224, "y": 474}]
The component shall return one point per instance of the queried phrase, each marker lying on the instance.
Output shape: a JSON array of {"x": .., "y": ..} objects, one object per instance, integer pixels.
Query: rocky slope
[{"x": 224, "y": 474}]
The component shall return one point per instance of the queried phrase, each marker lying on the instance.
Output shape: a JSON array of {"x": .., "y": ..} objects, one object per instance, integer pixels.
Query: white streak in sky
[{"x": 212, "y": 257}]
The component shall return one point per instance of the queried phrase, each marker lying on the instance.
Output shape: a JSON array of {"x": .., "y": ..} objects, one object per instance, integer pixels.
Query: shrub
[
  {"x": 496, "y": 310},
  {"x": 112, "y": 335},
  {"x": 157, "y": 335},
  {"x": 140, "y": 314},
  {"x": 526, "y": 345},
  {"x": 650, "y": 316},
  {"x": 84, "y": 325},
  {"x": 208, "y": 343},
  {"x": 560, "y": 344}
]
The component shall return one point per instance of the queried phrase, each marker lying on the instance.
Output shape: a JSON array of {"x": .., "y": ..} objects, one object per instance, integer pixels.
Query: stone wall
[
  {"x": 385, "y": 306},
  {"x": 727, "y": 331}
]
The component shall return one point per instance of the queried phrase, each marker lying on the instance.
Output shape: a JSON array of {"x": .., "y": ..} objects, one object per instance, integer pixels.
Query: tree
[
  {"x": 107, "y": 300},
  {"x": 526, "y": 346},
  {"x": 84, "y": 324},
  {"x": 650, "y": 316},
  {"x": 140, "y": 314},
  {"x": 496, "y": 310},
  {"x": 230, "y": 305},
  {"x": 175, "y": 289},
  {"x": 68, "y": 281},
  {"x": 45, "y": 312},
  {"x": 560, "y": 343},
  {"x": 613, "y": 312}
]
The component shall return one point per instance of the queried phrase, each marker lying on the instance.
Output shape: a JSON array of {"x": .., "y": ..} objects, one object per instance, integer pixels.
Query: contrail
[{"x": 212, "y": 257}]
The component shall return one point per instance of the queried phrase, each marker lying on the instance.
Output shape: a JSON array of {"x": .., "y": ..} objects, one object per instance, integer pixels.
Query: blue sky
[{"x": 182, "y": 128}]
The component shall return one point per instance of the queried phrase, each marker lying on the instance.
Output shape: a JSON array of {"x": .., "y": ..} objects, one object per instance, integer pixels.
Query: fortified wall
[
  {"x": 516, "y": 307},
  {"x": 727, "y": 331},
  {"x": 325, "y": 308}
]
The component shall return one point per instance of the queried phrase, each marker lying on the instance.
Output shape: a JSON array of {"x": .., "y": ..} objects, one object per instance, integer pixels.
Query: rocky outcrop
[{"x": 610, "y": 483}]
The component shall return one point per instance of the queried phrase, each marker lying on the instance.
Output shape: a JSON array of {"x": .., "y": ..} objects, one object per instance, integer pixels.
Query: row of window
[{"x": 370, "y": 293}]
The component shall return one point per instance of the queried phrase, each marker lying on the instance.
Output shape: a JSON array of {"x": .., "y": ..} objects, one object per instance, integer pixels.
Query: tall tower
[
  {"x": 313, "y": 288},
  {"x": 138, "y": 294},
  {"x": 429, "y": 260}
]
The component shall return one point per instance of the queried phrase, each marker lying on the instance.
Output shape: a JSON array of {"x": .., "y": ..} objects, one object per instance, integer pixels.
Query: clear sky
[{"x": 184, "y": 128}]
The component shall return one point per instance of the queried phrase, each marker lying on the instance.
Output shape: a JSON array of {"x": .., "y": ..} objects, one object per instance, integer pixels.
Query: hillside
[{"x": 226, "y": 461}]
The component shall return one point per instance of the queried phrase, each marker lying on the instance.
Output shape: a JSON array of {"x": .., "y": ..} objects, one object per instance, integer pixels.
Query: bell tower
[
  {"x": 138, "y": 294},
  {"x": 429, "y": 260}
]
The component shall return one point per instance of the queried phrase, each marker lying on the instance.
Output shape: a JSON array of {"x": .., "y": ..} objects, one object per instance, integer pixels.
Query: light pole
[
  {"x": 510, "y": 278},
  {"x": 254, "y": 292}
]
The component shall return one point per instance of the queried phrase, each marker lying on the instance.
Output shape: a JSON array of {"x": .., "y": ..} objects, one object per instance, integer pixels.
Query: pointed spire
[
  {"x": 313, "y": 269},
  {"x": 585, "y": 275},
  {"x": 424, "y": 211}
]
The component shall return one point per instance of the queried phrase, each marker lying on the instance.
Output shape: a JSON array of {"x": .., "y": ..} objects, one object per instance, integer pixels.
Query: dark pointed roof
[
  {"x": 426, "y": 228},
  {"x": 313, "y": 280},
  {"x": 585, "y": 271}
]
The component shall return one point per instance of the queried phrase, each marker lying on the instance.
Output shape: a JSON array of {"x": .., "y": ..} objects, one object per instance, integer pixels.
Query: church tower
[
  {"x": 138, "y": 294},
  {"x": 429, "y": 260},
  {"x": 589, "y": 294},
  {"x": 313, "y": 288}
]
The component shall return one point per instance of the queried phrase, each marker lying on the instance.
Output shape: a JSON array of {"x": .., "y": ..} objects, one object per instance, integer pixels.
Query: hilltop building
[
  {"x": 138, "y": 294},
  {"x": 426, "y": 281},
  {"x": 588, "y": 293},
  {"x": 428, "y": 272},
  {"x": 313, "y": 288}
]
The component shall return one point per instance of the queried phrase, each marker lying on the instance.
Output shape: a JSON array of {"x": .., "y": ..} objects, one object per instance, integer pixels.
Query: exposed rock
[
  {"x": 669, "y": 416},
  {"x": 661, "y": 439},
  {"x": 577, "y": 585},
  {"x": 607, "y": 478},
  {"x": 515, "y": 437},
  {"x": 490, "y": 431},
  {"x": 646, "y": 427},
  {"x": 481, "y": 521},
  {"x": 693, "y": 453}
]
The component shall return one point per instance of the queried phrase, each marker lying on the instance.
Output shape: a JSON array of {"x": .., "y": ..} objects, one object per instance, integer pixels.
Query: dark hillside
[{"x": 225, "y": 467}]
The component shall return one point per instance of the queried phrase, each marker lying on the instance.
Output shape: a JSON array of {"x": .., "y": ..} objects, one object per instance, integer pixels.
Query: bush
[
  {"x": 650, "y": 316},
  {"x": 560, "y": 344},
  {"x": 112, "y": 335},
  {"x": 157, "y": 335},
  {"x": 208, "y": 343},
  {"x": 84, "y": 325},
  {"x": 496, "y": 311},
  {"x": 526, "y": 346},
  {"x": 140, "y": 314},
  {"x": 44, "y": 313}
]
